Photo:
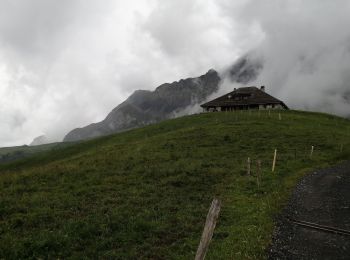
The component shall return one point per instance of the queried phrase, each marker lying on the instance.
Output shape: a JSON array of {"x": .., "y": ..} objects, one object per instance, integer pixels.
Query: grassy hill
[
  {"x": 8, "y": 154},
  {"x": 144, "y": 194}
]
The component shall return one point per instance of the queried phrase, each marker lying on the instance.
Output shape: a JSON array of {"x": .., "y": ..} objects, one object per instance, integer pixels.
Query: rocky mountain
[
  {"x": 145, "y": 107},
  {"x": 40, "y": 140},
  {"x": 244, "y": 70}
]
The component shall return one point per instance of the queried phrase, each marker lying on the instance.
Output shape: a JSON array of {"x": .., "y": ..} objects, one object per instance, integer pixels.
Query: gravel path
[{"x": 322, "y": 197}]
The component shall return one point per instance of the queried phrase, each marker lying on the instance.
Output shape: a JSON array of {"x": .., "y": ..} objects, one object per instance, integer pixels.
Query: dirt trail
[{"x": 322, "y": 197}]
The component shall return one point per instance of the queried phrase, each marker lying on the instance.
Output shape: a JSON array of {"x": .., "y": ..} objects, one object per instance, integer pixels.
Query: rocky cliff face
[
  {"x": 146, "y": 107},
  {"x": 245, "y": 70},
  {"x": 40, "y": 140}
]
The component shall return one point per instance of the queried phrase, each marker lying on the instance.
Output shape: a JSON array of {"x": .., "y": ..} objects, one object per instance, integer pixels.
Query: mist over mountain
[
  {"x": 66, "y": 64},
  {"x": 42, "y": 139},
  {"x": 168, "y": 100},
  {"x": 145, "y": 107},
  {"x": 303, "y": 60}
]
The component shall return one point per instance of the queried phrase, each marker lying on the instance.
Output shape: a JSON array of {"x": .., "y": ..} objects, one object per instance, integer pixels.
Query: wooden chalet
[{"x": 244, "y": 99}]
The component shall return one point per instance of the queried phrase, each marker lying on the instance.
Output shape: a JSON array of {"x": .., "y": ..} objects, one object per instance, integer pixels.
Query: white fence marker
[
  {"x": 312, "y": 151},
  {"x": 274, "y": 160}
]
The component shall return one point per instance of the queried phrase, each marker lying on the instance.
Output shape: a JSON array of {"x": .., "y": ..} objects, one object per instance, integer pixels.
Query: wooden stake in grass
[
  {"x": 208, "y": 231},
  {"x": 274, "y": 160},
  {"x": 258, "y": 173},
  {"x": 269, "y": 112},
  {"x": 279, "y": 116},
  {"x": 248, "y": 166},
  {"x": 312, "y": 151}
]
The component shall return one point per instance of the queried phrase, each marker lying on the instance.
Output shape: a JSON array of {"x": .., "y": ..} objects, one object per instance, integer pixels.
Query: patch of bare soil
[{"x": 323, "y": 198}]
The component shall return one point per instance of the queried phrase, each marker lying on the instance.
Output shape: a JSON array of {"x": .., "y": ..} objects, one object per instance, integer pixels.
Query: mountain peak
[
  {"x": 39, "y": 140},
  {"x": 145, "y": 107}
]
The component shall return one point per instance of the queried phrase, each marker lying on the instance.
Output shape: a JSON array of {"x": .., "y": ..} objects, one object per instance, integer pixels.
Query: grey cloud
[
  {"x": 65, "y": 64},
  {"x": 305, "y": 48},
  {"x": 173, "y": 25},
  {"x": 306, "y": 54}
]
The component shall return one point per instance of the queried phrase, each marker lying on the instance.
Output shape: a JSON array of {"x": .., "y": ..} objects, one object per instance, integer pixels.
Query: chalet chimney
[{"x": 262, "y": 88}]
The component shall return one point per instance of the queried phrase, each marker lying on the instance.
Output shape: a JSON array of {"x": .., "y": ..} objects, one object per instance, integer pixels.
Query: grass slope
[
  {"x": 144, "y": 194},
  {"x": 8, "y": 154}
]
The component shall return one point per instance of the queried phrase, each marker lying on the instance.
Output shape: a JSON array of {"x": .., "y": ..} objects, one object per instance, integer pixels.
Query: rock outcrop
[
  {"x": 166, "y": 101},
  {"x": 40, "y": 140}
]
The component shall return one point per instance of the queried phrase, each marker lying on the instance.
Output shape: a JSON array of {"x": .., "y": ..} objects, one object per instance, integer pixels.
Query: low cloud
[
  {"x": 65, "y": 64},
  {"x": 306, "y": 52}
]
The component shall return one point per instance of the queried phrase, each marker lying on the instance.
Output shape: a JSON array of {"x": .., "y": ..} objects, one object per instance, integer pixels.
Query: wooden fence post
[
  {"x": 208, "y": 231},
  {"x": 248, "y": 166},
  {"x": 258, "y": 172},
  {"x": 274, "y": 160},
  {"x": 279, "y": 116},
  {"x": 312, "y": 151}
]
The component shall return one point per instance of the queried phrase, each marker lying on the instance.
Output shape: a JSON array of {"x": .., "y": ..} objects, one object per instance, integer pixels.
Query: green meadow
[{"x": 145, "y": 193}]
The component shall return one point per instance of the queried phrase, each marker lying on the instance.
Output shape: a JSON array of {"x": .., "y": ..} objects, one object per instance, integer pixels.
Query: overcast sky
[{"x": 67, "y": 63}]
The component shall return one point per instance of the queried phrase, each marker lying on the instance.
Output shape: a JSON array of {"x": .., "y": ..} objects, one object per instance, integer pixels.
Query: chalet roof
[{"x": 243, "y": 97}]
